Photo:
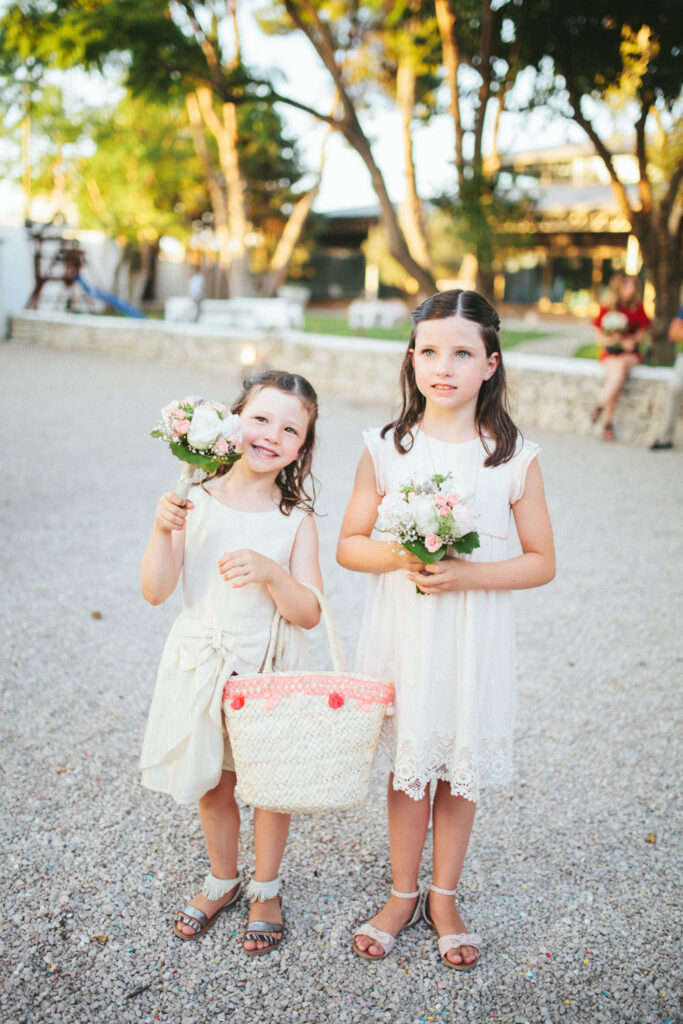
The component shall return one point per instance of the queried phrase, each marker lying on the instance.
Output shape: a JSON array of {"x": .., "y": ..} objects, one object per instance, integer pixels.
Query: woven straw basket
[{"x": 305, "y": 741}]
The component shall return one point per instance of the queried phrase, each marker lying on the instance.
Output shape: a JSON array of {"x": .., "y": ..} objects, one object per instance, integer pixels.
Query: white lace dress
[
  {"x": 220, "y": 631},
  {"x": 451, "y": 657}
]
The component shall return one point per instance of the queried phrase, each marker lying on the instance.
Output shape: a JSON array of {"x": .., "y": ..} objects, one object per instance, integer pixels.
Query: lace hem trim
[{"x": 465, "y": 770}]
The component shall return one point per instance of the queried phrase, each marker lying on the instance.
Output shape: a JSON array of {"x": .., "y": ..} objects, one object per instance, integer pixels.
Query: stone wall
[{"x": 549, "y": 392}]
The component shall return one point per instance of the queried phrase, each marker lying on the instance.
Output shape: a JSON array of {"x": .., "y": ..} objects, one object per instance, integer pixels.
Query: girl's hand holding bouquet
[
  {"x": 428, "y": 517},
  {"x": 203, "y": 435}
]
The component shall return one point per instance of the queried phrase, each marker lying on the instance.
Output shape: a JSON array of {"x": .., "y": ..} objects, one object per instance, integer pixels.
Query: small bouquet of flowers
[
  {"x": 428, "y": 516},
  {"x": 614, "y": 322},
  {"x": 202, "y": 434}
]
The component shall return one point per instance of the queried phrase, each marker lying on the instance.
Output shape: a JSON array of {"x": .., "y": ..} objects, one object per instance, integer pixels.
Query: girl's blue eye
[
  {"x": 427, "y": 352},
  {"x": 291, "y": 430},
  {"x": 463, "y": 352}
]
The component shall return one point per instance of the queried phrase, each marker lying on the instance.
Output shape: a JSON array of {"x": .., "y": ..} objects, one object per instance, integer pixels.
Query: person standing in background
[
  {"x": 196, "y": 290},
  {"x": 672, "y": 404}
]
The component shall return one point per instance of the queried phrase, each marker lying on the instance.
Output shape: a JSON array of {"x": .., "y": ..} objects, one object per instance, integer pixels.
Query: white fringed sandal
[
  {"x": 385, "y": 939},
  {"x": 447, "y": 942},
  {"x": 214, "y": 889}
]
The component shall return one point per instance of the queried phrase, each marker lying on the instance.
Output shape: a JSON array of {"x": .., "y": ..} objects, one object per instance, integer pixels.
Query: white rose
[
  {"x": 465, "y": 518},
  {"x": 205, "y": 427},
  {"x": 231, "y": 427},
  {"x": 425, "y": 515}
]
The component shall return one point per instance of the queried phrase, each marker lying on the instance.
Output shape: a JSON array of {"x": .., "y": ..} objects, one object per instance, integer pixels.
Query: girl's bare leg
[
  {"x": 453, "y": 817},
  {"x": 270, "y": 836},
  {"x": 220, "y": 818},
  {"x": 408, "y": 821}
]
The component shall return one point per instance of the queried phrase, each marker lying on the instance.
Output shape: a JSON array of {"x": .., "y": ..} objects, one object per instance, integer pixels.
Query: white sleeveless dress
[
  {"x": 221, "y": 631},
  {"x": 450, "y": 656}
]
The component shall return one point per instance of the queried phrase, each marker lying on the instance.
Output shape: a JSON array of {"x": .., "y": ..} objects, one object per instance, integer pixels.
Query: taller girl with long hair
[{"x": 451, "y": 653}]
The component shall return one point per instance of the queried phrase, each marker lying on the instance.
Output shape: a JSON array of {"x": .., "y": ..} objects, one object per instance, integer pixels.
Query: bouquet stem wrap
[{"x": 187, "y": 477}]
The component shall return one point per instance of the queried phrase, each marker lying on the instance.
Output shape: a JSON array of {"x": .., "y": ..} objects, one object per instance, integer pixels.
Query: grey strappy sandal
[
  {"x": 213, "y": 888},
  {"x": 446, "y": 943},
  {"x": 263, "y": 931},
  {"x": 385, "y": 939}
]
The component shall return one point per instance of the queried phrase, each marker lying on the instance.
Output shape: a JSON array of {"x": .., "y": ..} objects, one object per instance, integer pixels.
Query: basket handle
[{"x": 279, "y": 626}]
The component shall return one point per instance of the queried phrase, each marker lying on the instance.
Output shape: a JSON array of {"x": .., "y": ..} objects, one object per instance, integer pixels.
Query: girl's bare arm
[
  {"x": 295, "y": 602},
  {"x": 355, "y": 548},
  {"x": 162, "y": 561}
]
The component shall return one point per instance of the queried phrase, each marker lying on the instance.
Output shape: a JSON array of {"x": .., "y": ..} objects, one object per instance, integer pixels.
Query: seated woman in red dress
[{"x": 622, "y": 325}]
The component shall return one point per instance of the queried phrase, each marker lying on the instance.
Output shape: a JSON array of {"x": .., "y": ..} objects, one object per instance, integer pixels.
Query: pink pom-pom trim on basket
[
  {"x": 305, "y": 741},
  {"x": 338, "y": 689}
]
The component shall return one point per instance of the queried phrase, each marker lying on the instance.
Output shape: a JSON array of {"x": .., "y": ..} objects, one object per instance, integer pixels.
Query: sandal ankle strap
[
  {"x": 405, "y": 895},
  {"x": 444, "y": 892},
  {"x": 259, "y": 892},
  {"x": 215, "y": 888}
]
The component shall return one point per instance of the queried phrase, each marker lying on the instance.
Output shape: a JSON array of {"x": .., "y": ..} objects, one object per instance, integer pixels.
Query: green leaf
[
  {"x": 417, "y": 548},
  {"x": 467, "y": 544},
  {"x": 195, "y": 458},
  {"x": 206, "y": 462}
]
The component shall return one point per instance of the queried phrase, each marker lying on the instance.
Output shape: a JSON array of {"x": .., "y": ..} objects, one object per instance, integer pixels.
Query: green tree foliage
[{"x": 173, "y": 53}]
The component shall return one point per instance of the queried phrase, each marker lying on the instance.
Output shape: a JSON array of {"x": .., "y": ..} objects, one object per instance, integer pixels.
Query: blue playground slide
[{"x": 112, "y": 300}]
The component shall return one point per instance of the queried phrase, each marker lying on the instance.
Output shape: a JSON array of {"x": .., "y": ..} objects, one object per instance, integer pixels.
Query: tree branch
[
  {"x": 485, "y": 89},
  {"x": 644, "y": 181},
  {"x": 451, "y": 55},
  {"x": 317, "y": 114},
  {"x": 674, "y": 185},
  {"x": 208, "y": 49},
  {"x": 602, "y": 151}
]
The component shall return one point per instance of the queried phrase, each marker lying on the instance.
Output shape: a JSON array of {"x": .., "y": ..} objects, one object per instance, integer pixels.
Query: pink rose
[
  {"x": 170, "y": 410},
  {"x": 221, "y": 446},
  {"x": 444, "y": 510},
  {"x": 181, "y": 427},
  {"x": 453, "y": 498},
  {"x": 432, "y": 542},
  {"x": 440, "y": 499}
]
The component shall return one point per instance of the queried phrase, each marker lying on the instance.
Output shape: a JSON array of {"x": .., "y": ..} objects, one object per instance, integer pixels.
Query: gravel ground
[{"x": 572, "y": 873}]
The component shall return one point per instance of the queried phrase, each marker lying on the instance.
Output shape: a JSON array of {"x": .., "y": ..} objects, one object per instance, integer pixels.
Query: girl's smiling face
[
  {"x": 274, "y": 427},
  {"x": 450, "y": 361}
]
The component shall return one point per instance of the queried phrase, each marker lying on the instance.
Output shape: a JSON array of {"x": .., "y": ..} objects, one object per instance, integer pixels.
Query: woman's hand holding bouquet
[{"x": 428, "y": 517}]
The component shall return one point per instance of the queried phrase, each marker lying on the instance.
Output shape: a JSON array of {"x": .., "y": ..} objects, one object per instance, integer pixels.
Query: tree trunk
[
  {"x": 232, "y": 227},
  {"x": 240, "y": 280},
  {"x": 451, "y": 58},
  {"x": 219, "y": 206},
  {"x": 139, "y": 279},
  {"x": 279, "y": 264},
  {"x": 318, "y": 35},
  {"x": 412, "y": 213},
  {"x": 662, "y": 267}
]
